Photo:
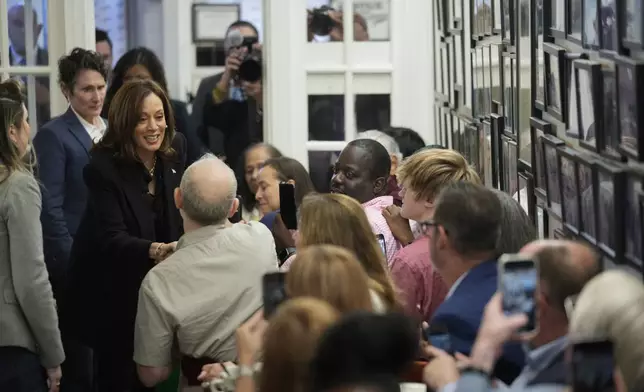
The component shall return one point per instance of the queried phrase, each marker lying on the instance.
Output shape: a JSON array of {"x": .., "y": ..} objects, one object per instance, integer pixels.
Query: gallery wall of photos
[{"x": 546, "y": 99}]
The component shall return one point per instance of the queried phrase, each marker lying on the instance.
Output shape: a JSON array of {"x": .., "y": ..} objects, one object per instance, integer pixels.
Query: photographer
[
  {"x": 234, "y": 106},
  {"x": 325, "y": 25}
]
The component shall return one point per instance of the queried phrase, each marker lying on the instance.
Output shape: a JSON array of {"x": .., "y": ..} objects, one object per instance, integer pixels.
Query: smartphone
[
  {"x": 569, "y": 305},
  {"x": 273, "y": 292},
  {"x": 237, "y": 217},
  {"x": 381, "y": 241},
  {"x": 592, "y": 366},
  {"x": 518, "y": 280},
  {"x": 438, "y": 336},
  {"x": 288, "y": 209}
]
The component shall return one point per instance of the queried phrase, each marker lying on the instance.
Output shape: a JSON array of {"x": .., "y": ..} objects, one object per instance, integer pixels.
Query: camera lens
[{"x": 250, "y": 70}]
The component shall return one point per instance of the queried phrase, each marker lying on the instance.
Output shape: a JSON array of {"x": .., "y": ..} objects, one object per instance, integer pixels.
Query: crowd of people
[{"x": 120, "y": 262}]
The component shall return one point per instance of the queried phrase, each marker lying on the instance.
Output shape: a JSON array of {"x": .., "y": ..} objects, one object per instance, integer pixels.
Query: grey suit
[
  {"x": 28, "y": 316},
  {"x": 213, "y": 138}
]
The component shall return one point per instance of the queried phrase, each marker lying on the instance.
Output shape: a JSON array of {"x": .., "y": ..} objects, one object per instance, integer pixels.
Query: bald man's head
[
  {"x": 565, "y": 267},
  {"x": 17, "y": 18},
  {"x": 207, "y": 191}
]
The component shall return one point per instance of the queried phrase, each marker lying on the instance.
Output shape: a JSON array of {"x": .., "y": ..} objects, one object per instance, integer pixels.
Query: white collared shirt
[
  {"x": 455, "y": 285},
  {"x": 16, "y": 58},
  {"x": 95, "y": 132}
]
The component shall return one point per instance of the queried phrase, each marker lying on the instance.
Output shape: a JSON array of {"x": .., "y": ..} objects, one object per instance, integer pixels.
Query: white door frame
[{"x": 404, "y": 69}]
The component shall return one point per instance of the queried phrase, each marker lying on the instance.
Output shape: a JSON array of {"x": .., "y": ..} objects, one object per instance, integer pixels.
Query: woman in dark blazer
[
  {"x": 142, "y": 63},
  {"x": 130, "y": 224}
]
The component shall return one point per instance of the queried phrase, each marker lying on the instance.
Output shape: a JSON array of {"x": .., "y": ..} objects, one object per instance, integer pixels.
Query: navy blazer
[
  {"x": 62, "y": 146},
  {"x": 462, "y": 312}
]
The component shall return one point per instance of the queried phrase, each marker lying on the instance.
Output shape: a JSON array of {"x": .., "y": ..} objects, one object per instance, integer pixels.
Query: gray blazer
[{"x": 27, "y": 309}]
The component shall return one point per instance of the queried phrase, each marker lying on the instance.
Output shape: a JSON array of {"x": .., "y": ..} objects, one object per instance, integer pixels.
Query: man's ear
[
  {"x": 178, "y": 198},
  {"x": 394, "y": 165},
  {"x": 233, "y": 208},
  {"x": 380, "y": 185}
]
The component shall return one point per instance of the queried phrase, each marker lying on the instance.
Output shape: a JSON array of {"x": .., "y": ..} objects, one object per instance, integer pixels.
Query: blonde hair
[
  {"x": 330, "y": 273},
  {"x": 336, "y": 219},
  {"x": 12, "y": 111},
  {"x": 291, "y": 341},
  {"x": 427, "y": 172},
  {"x": 611, "y": 306}
]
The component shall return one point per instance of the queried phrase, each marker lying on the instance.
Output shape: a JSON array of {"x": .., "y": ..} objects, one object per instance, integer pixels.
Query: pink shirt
[
  {"x": 422, "y": 289},
  {"x": 373, "y": 209}
]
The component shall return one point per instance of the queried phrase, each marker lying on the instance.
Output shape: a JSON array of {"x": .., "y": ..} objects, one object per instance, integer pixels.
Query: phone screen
[
  {"x": 381, "y": 241},
  {"x": 518, "y": 285},
  {"x": 288, "y": 209},
  {"x": 236, "y": 218},
  {"x": 438, "y": 336},
  {"x": 592, "y": 366},
  {"x": 273, "y": 292}
]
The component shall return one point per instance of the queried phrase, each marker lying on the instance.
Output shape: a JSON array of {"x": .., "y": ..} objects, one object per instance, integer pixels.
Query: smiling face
[
  {"x": 352, "y": 177},
  {"x": 268, "y": 191},
  {"x": 150, "y": 130}
]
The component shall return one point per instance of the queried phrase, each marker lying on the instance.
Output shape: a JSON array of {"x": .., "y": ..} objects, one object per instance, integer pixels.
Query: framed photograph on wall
[
  {"x": 496, "y": 12},
  {"x": 477, "y": 87},
  {"x": 476, "y": 19},
  {"x": 541, "y": 219},
  {"x": 440, "y": 16},
  {"x": 610, "y": 139},
  {"x": 508, "y": 21},
  {"x": 588, "y": 81},
  {"x": 632, "y": 13},
  {"x": 472, "y": 131},
  {"x": 587, "y": 219},
  {"x": 575, "y": 21},
  {"x": 539, "y": 128},
  {"x": 496, "y": 56},
  {"x": 509, "y": 157},
  {"x": 487, "y": 156},
  {"x": 607, "y": 27},
  {"x": 447, "y": 119},
  {"x": 569, "y": 189},
  {"x": 456, "y": 134},
  {"x": 570, "y": 116},
  {"x": 537, "y": 58},
  {"x": 487, "y": 80},
  {"x": 553, "y": 195},
  {"x": 590, "y": 30},
  {"x": 630, "y": 87},
  {"x": 451, "y": 63},
  {"x": 525, "y": 195},
  {"x": 497, "y": 122},
  {"x": 444, "y": 52},
  {"x": 558, "y": 18},
  {"x": 633, "y": 218},
  {"x": 554, "y": 62},
  {"x": 610, "y": 191},
  {"x": 459, "y": 65},
  {"x": 509, "y": 93}
]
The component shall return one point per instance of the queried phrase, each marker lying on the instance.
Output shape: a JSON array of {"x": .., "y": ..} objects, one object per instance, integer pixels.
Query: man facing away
[
  {"x": 362, "y": 172},
  {"x": 211, "y": 284}
]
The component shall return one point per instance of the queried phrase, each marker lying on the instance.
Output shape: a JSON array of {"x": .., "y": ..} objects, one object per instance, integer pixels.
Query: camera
[
  {"x": 250, "y": 69},
  {"x": 321, "y": 22}
]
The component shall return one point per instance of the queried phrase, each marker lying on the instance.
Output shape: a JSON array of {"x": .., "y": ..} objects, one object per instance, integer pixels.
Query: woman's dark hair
[
  {"x": 12, "y": 112},
  {"x": 125, "y": 114},
  {"x": 137, "y": 56},
  {"x": 79, "y": 59},
  {"x": 290, "y": 169},
  {"x": 364, "y": 346},
  {"x": 409, "y": 141},
  {"x": 248, "y": 198}
]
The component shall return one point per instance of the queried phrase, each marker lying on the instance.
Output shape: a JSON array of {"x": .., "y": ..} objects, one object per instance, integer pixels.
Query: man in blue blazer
[
  {"x": 463, "y": 235},
  {"x": 62, "y": 148}
]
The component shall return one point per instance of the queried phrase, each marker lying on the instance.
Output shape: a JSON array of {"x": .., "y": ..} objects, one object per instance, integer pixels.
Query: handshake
[{"x": 160, "y": 251}]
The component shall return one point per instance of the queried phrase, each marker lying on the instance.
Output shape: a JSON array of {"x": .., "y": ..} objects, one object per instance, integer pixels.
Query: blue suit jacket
[
  {"x": 62, "y": 146},
  {"x": 462, "y": 312}
]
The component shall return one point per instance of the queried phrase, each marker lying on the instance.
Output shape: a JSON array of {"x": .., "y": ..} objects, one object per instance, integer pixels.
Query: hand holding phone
[
  {"x": 518, "y": 280},
  {"x": 381, "y": 242},
  {"x": 288, "y": 209},
  {"x": 592, "y": 366},
  {"x": 273, "y": 291}
]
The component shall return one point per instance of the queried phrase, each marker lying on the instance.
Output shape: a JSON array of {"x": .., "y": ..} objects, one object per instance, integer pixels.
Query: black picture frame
[
  {"x": 539, "y": 127},
  {"x": 589, "y": 30},
  {"x": 570, "y": 118},
  {"x": 541, "y": 219},
  {"x": 554, "y": 97},
  {"x": 527, "y": 181},
  {"x": 459, "y": 68},
  {"x": 509, "y": 94},
  {"x": 632, "y": 30},
  {"x": 444, "y": 59},
  {"x": 558, "y": 12},
  {"x": 496, "y": 51},
  {"x": 609, "y": 22},
  {"x": 575, "y": 21},
  {"x": 550, "y": 144},
  {"x": 630, "y": 85},
  {"x": 450, "y": 54},
  {"x": 509, "y": 156},
  {"x": 633, "y": 218},
  {"x": 487, "y": 79},
  {"x": 609, "y": 187},
  {"x": 440, "y": 16},
  {"x": 588, "y": 220},
  {"x": 497, "y": 123},
  {"x": 497, "y": 17},
  {"x": 476, "y": 84},
  {"x": 487, "y": 156},
  {"x": 199, "y": 7},
  {"x": 568, "y": 170},
  {"x": 448, "y": 125},
  {"x": 589, "y": 98},
  {"x": 508, "y": 22},
  {"x": 537, "y": 64},
  {"x": 610, "y": 130}
]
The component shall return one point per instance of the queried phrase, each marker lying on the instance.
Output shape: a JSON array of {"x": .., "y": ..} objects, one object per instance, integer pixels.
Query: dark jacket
[
  {"x": 195, "y": 147},
  {"x": 110, "y": 255}
]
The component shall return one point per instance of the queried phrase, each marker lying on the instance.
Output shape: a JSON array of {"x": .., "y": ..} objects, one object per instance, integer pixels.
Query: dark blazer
[
  {"x": 212, "y": 137},
  {"x": 195, "y": 147},
  {"x": 62, "y": 147},
  {"x": 462, "y": 312},
  {"x": 110, "y": 252}
]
